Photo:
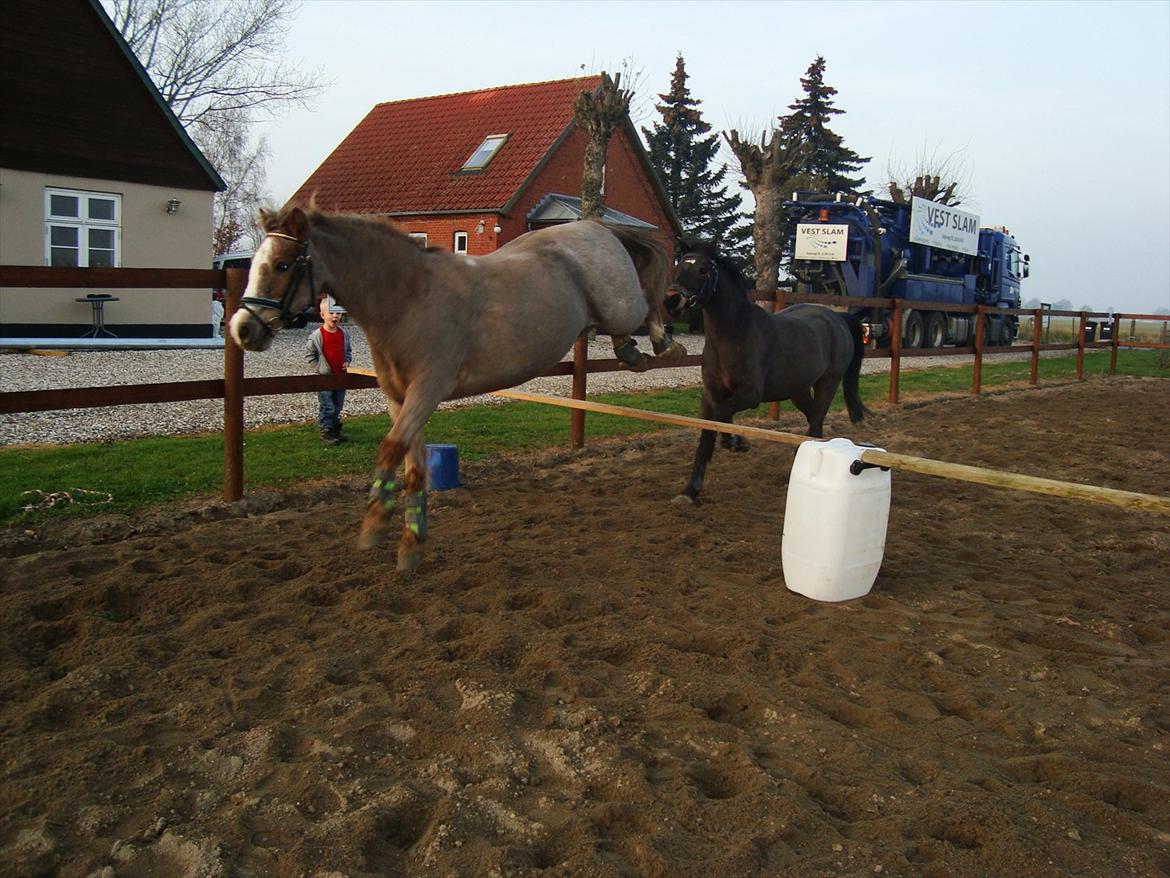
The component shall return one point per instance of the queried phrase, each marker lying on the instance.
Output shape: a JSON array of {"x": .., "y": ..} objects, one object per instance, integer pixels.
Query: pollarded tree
[
  {"x": 767, "y": 168},
  {"x": 599, "y": 112},
  {"x": 937, "y": 178},
  {"x": 684, "y": 154},
  {"x": 828, "y": 163}
]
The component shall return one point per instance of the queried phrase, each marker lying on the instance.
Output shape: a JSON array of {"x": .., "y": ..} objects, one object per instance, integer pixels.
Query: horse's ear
[
  {"x": 297, "y": 224},
  {"x": 266, "y": 218}
]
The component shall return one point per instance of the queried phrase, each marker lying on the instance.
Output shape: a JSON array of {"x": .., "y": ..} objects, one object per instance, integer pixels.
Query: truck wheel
[
  {"x": 912, "y": 329},
  {"x": 1007, "y": 331},
  {"x": 936, "y": 329}
]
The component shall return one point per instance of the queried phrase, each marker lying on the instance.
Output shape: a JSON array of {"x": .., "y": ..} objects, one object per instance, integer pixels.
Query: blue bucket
[{"x": 443, "y": 467}]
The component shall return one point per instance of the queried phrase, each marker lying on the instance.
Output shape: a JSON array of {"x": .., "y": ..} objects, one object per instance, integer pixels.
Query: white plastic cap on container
[{"x": 834, "y": 521}]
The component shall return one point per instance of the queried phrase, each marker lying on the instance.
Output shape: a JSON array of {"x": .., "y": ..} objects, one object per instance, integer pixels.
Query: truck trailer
[{"x": 922, "y": 253}]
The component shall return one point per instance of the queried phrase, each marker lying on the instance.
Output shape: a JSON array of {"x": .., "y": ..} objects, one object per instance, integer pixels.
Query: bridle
[
  {"x": 703, "y": 295},
  {"x": 302, "y": 266}
]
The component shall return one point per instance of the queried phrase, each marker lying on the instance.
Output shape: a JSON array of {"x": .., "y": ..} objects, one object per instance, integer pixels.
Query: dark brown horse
[
  {"x": 750, "y": 356},
  {"x": 442, "y": 325}
]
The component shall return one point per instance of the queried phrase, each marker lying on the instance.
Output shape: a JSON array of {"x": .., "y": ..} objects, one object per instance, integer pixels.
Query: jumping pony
[
  {"x": 442, "y": 326},
  {"x": 751, "y": 356}
]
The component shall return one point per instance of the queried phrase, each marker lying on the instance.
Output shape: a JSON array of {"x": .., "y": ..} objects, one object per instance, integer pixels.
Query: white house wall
[{"x": 150, "y": 238}]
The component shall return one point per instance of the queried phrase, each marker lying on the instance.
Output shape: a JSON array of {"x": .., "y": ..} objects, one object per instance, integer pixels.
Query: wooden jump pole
[{"x": 925, "y": 466}]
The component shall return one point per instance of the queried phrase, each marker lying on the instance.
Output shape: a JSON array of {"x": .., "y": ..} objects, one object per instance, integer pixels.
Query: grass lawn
[{"x": 141, "y": 472}]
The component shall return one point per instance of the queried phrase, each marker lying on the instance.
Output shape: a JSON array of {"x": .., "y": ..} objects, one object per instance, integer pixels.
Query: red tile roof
[{"x": 404, "y": 157}]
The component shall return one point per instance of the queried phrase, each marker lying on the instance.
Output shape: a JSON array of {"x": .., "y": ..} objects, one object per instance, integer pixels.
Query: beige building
[{"x": 108, "y": 178}]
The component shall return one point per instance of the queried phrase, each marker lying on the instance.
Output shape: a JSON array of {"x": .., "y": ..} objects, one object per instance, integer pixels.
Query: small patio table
[{"x": 98, "y": 301}]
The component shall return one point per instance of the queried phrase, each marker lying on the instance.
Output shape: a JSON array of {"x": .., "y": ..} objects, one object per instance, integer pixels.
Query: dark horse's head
[{"x": 698, "y": 277}]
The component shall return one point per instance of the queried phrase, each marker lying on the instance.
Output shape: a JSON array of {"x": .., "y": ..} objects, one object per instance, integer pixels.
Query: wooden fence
[{"x": 235, "y": 387}]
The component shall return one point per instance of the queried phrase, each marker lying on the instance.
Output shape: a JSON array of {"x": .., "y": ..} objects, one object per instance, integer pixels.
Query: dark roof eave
[{"x": 212, "y": 175}]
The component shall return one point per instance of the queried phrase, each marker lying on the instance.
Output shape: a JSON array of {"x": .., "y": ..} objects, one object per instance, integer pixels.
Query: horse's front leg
[
  {"x": 414, "y": 489},
  {"x": 665, "y": 347},
  {"x": 405, "y": 438},
  {"x": 703, "y": 453}
]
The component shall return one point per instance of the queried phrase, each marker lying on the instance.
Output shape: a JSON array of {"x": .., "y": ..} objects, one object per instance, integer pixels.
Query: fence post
[
  {"x": 1081, "y": 347},
  {"x": 1037, "y": 317},
  {"x": 895, "y": 351},
  {"x": 777, "y": 305},
  {"x": 577, "y": 416},
  {"x": 233, "y": 393},
  {"x": 977, "y": 370},
  {"x": 1116, "y": 343}
]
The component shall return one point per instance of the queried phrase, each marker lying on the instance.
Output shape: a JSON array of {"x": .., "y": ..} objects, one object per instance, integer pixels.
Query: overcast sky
[{"x": 1058, "y": 112}]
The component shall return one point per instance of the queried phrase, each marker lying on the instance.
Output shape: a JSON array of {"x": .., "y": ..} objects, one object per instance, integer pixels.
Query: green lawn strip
[{"x": 141, "y": 472}]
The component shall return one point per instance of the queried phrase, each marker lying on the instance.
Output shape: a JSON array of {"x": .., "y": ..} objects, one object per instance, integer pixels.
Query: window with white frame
[
  {"x": 460, "y": 245},
  {"x": 420, "y": 239},
  {"x": 82, "y": 229}
]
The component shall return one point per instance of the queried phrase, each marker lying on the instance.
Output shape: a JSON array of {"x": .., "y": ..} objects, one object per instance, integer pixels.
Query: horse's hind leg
[
  {"x": 629, "y": 357},
  {"x": 810, "y": 407}
]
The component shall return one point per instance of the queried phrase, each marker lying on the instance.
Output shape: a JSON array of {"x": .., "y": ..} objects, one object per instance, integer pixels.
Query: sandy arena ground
[{"x": 583, "y": 679}]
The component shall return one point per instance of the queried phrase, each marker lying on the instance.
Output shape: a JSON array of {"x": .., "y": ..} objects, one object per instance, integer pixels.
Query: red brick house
[{"x": 471, "y": 171}]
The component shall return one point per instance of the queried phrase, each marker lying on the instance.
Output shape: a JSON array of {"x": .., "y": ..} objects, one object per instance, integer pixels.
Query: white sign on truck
[
  {"x": 822, "y": 241},
  {"x": 937, "y": 225}
]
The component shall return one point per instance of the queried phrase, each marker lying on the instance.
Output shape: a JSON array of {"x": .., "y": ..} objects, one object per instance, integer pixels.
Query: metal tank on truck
[{"x": 923, "y": 252}]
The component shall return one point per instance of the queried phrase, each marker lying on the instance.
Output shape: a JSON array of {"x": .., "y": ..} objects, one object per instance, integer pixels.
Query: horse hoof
[
  {"x": 410, "y": 553},
  {"x": 682, "y": 500},
  {"x": 640, "y": 365},
  {"x": 675, "y": 352},
  {"x": 374, "y": 533}
]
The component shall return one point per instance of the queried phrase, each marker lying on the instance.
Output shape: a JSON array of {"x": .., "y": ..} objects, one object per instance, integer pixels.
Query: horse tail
[
  {"x": 851, "y": 383},
  {"x": 651, "y": 261}
]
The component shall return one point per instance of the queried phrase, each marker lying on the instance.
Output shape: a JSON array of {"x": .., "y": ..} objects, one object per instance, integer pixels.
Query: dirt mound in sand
[{"x": 583, "y": 679}]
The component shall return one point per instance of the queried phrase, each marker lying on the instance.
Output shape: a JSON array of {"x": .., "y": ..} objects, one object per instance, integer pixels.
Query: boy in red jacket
[{"x": 329, "y": 350}]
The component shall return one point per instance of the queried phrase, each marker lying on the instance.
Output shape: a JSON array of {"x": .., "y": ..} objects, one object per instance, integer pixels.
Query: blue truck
[{"x": 921, "y": 253}]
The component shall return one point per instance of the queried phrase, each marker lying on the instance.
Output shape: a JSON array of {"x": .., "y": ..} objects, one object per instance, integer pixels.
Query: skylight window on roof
[{"x": 485, "y": 153}]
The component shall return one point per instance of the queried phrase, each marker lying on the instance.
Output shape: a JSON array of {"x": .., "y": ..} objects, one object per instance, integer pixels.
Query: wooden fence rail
[{"x": 235, "y": 387}]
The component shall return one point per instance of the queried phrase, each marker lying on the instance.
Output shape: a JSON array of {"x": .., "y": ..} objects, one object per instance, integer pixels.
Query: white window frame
[
  {"x": 84, "y": 223},
  {"x": 419, "y": 238},
  {"x": 459, "y": 237}
]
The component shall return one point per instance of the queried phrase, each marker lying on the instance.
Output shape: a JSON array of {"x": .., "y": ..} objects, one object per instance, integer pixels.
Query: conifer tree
[
  {"x": 683, "y": 152},
  {"x": 829, "y": 162}
]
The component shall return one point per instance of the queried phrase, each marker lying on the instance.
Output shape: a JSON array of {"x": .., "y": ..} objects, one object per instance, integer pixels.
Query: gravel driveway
[{"x": 20, "y": 371}]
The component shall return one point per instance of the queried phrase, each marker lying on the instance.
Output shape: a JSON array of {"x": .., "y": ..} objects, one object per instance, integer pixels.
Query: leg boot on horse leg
[
  {"x": 628, "y": 355},
  {"x": 375, "y": 527},
  {"x": 414, "y": 533}
]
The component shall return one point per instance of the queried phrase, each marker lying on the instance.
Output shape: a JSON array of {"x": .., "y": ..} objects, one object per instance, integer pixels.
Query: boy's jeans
[{"x": 330, "y": 402}]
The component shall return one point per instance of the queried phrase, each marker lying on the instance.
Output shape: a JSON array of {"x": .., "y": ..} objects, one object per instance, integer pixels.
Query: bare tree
[
  {"x": 217, "y": 65},
  {"x": 224, "y": 140},
  {"x": 599, "y": 112},
  {"x": 767, "y": 168},
  {"x": 208, "y": 58},
  {"x": 941, "y": 178}
]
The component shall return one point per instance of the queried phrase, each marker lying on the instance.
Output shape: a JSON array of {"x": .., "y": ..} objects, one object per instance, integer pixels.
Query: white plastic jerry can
[{"x": 834, "y": 521}]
